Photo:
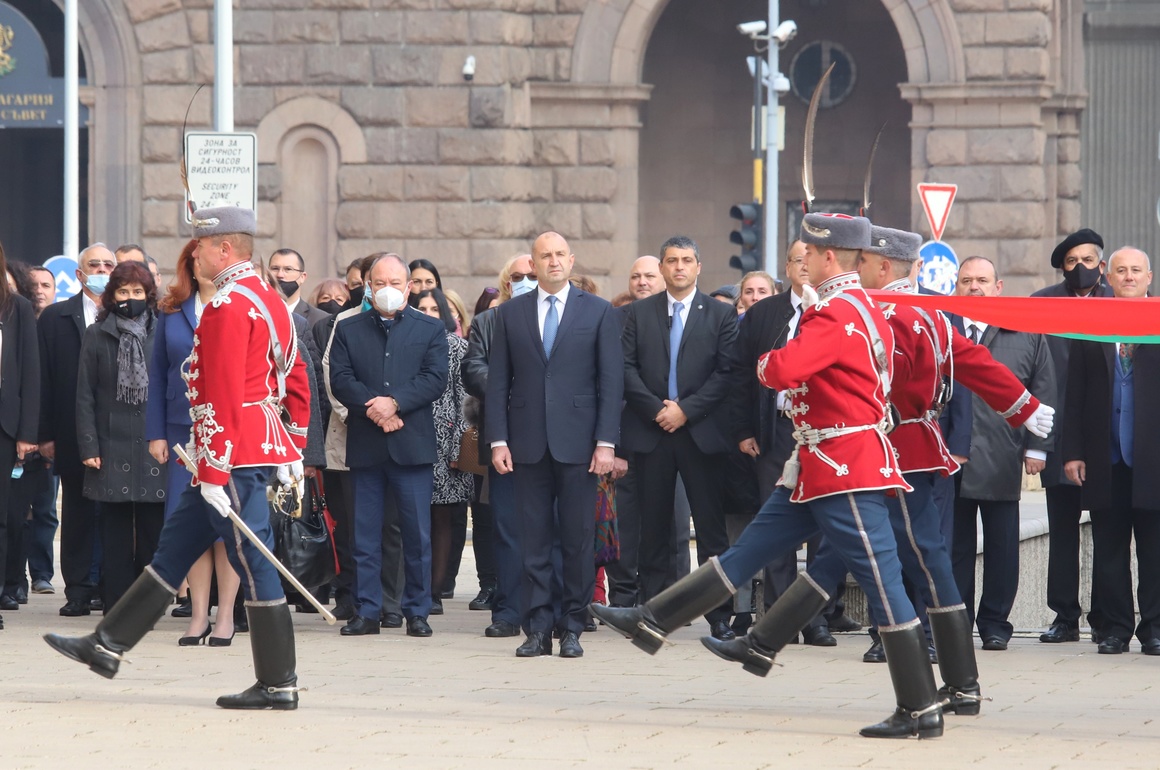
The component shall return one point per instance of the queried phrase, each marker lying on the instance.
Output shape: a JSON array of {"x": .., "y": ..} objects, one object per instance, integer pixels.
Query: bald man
[
  {"x": 644, "y": 280},
  {"x": 554, "y": 390}
]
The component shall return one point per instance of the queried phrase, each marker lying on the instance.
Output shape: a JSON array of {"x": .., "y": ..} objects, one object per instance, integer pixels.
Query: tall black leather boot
[
  {"x": 792, "y": 611},
  {"x": 133, "y": 616},
  {"x": 919, "y": 710},
  {"x": 951, "y": 629},
  {"x": 689, "y": 598},
  {"x": 272, "y": 644}
]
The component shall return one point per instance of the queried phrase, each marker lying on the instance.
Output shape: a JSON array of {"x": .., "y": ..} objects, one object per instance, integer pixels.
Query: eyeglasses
[
  {"x": 514, "y": 277},
  {"x": 284, "y": 271},
  {"x": 97, "y": 264}
]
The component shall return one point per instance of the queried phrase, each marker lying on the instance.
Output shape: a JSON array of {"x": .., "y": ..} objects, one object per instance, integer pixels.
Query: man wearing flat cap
[
  {"x": 1081, "y": 258},
  {"x": 928, "y": 351},
  {"x": 837, "y": 372},
  {"x": 249, "y": 399}
]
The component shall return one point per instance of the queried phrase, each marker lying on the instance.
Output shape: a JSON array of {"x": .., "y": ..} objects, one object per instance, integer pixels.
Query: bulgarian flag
[{"x": 1102, "y": 319}]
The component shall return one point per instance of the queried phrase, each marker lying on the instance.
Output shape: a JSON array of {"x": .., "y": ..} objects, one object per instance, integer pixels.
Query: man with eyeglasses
[
  {"x": 288, "y": 271},
  {"x": 60, "y": 328},
  {"x": 1081, "y": 258}
]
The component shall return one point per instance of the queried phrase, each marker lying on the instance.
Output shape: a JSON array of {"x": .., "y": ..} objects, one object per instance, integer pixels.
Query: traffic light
[{"x": 748, "y": 237}]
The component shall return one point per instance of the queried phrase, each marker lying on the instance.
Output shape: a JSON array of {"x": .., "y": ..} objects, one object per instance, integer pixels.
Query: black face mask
[
  {"x": 1081, "y": 277},
  {"x": 288, "y": 288},
  {"x": 130, "y": 308},
  {"x": 332, "y": 306}
]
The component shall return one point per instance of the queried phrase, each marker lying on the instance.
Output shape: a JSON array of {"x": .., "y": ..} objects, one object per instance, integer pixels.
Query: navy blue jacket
[
  {"x": 410, "y": 365},
  {"x": 562, "y": 405}
]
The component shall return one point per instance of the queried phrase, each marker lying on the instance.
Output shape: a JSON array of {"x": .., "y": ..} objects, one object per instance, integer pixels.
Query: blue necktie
[
  {"x": 675, "y": 329},
  {"x": 551, "y": 326}
]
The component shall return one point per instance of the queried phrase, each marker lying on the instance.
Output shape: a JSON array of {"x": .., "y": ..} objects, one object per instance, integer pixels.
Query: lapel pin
[{"x": 700, "y": 307}]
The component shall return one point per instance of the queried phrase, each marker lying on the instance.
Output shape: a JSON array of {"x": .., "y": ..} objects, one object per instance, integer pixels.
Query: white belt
[
  {"x": 815, "y": 436},
  {"x": 929, "y": 415}
]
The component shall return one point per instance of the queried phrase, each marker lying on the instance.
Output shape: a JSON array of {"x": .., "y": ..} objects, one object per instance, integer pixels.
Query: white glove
[
  {"x": 809, "y": 295},
  {"x": 217, "y": 498},
  {"x": 289, "y": 473},
  {"x": 1041, "y": 421}
]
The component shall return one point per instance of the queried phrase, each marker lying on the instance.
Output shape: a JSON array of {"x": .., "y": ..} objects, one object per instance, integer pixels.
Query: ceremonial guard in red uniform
[
  {"x": 837, "y": 372},
  {"x": 249, "y": 394},
  {"x": 927, "y": 349}
]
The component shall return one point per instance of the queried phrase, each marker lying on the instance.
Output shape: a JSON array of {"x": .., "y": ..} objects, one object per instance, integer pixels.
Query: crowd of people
[{"x": 542, "y": 411}]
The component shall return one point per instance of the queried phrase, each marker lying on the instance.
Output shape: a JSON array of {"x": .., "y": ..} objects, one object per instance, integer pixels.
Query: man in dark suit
[
  {"x": 1110, "y": 434},
  {"x": 677, "y": 374},
  {"x": 554, "y": 390},
  {"x": 288, "y": 270},
  {"x": 387, "y": 367},
  {"x": 60, "y": 328},
  {"x": 1081, "y": 257}
]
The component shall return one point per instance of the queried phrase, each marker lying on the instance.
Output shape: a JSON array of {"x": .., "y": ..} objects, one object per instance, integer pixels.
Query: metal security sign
[{"x": 222, "y": 170}]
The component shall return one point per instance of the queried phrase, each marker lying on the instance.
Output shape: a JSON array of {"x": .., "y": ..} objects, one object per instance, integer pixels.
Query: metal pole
[
  {"x": 757, "y": 150},
  {"x": 72, "y": 197},
  {"x": 772, "y": 196},
  {"x": 223, "y": 58}
]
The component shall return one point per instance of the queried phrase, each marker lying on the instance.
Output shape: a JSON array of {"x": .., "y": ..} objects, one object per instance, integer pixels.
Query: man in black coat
[
  {"x": 677, "y": 375},
  {"x": 60, "y": 328},
  {"x": 554, "y": 389},
  {"x": 1081, "y": 257},
  {"x": 1110, "y": 435},
  {"x": 387, "y": 366}
]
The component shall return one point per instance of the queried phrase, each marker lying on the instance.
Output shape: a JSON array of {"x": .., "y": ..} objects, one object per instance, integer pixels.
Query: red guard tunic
[
  {"x": 837, "y": 395},
  {"x": 232, "y": 382},
  {"x": 920, "y": 361}
]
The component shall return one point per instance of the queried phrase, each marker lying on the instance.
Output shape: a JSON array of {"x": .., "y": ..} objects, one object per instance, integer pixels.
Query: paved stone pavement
[{"x": 459, "y": 700}]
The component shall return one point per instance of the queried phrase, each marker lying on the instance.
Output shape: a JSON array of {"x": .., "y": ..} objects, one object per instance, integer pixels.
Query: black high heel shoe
[
  {"x": 193, "y": 641},
  {"x": 217, "y": 641}
]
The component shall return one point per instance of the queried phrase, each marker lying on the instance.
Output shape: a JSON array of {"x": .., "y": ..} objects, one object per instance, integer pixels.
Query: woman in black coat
[
  {"x": 19, "y": 399},
  {"x": 112, "y": 390}
]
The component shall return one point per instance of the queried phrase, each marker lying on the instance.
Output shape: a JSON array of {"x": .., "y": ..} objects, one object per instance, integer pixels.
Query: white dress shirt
[
  {"x": 90, "y": 308},
  {"x": 684, "y": 309},
  {"x": 795, "y": 301}
]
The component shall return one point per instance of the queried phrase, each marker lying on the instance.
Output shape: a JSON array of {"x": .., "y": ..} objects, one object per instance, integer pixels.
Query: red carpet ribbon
[{"x": 1104, "y": 319}]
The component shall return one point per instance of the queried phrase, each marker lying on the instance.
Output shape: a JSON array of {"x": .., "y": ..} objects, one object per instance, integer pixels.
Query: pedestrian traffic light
[{"x": 748, "y": 237}]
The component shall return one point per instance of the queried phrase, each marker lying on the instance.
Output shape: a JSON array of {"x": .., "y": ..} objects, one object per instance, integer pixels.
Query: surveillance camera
[
  {"x": 752, "y": 28},
  {"x": 469, "y": 69},
  {"x": 781, "y": 85},
  {"x": 785, "y": 32}
]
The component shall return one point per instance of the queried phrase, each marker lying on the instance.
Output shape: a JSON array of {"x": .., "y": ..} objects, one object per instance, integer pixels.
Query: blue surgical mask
[
  {"x": 368, "y": 297},
  {"x": 97, "y": 282},
  {"x": 523, "y": 286}
]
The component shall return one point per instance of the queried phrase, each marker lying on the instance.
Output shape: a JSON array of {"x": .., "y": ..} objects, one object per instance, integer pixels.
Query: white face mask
[
  {"x": 524, "y": 286},
  {"x": 389, "y": 299}
]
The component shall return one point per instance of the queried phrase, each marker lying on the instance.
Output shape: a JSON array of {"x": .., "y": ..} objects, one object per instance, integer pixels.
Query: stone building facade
[{"x": 370, "y": 138}]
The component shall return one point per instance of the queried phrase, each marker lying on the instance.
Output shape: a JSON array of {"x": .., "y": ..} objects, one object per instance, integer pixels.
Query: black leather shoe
[
  {"x": 501, "y": 628},
  {"x": 8, "y": 603},
  {"x": 875, "y": 654},
  {"x": 538, "y": 643},
  {"x": 97, "y": 604},
  {"x": 722, "y": 631},
  {"x": 1, "y": 623},
  {"x": 417, "y": 626},
  {"x": 570, "y": 646},
  {"x": 483, "y": 599},
  {"x": 1097, "y": 636},
  {"x": 21, "y": 595},
  {"x": 994, "y": 643},
  {"x": 819, "y": 637},
  {"x": 344, "y": 611},
  {"x": 283, "y": 697},
  {"x": 1112, "y": 645},
  {"x": 75, "y": 608},
  {"x": 436, "y": 607},
  {"x": 1060, "y": 632},
  {"x": 1150, "y": 646},
  {"x": 184, "y": 608},
  {"x": 391, "y": 620},
  {"x": 903, "y": 724},
  {"x": 590, "y": 625},
  {"x": 447, "y": 593},
  {"x": 962, "y": 701},
  {"x": 844, "y": 625},
  {"x": 360, "y": 626},
  {"x": 743, "y": 650}
]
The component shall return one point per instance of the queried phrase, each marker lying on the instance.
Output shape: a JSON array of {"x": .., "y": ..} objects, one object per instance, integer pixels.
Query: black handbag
[{"x": 303, "y": 540}]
